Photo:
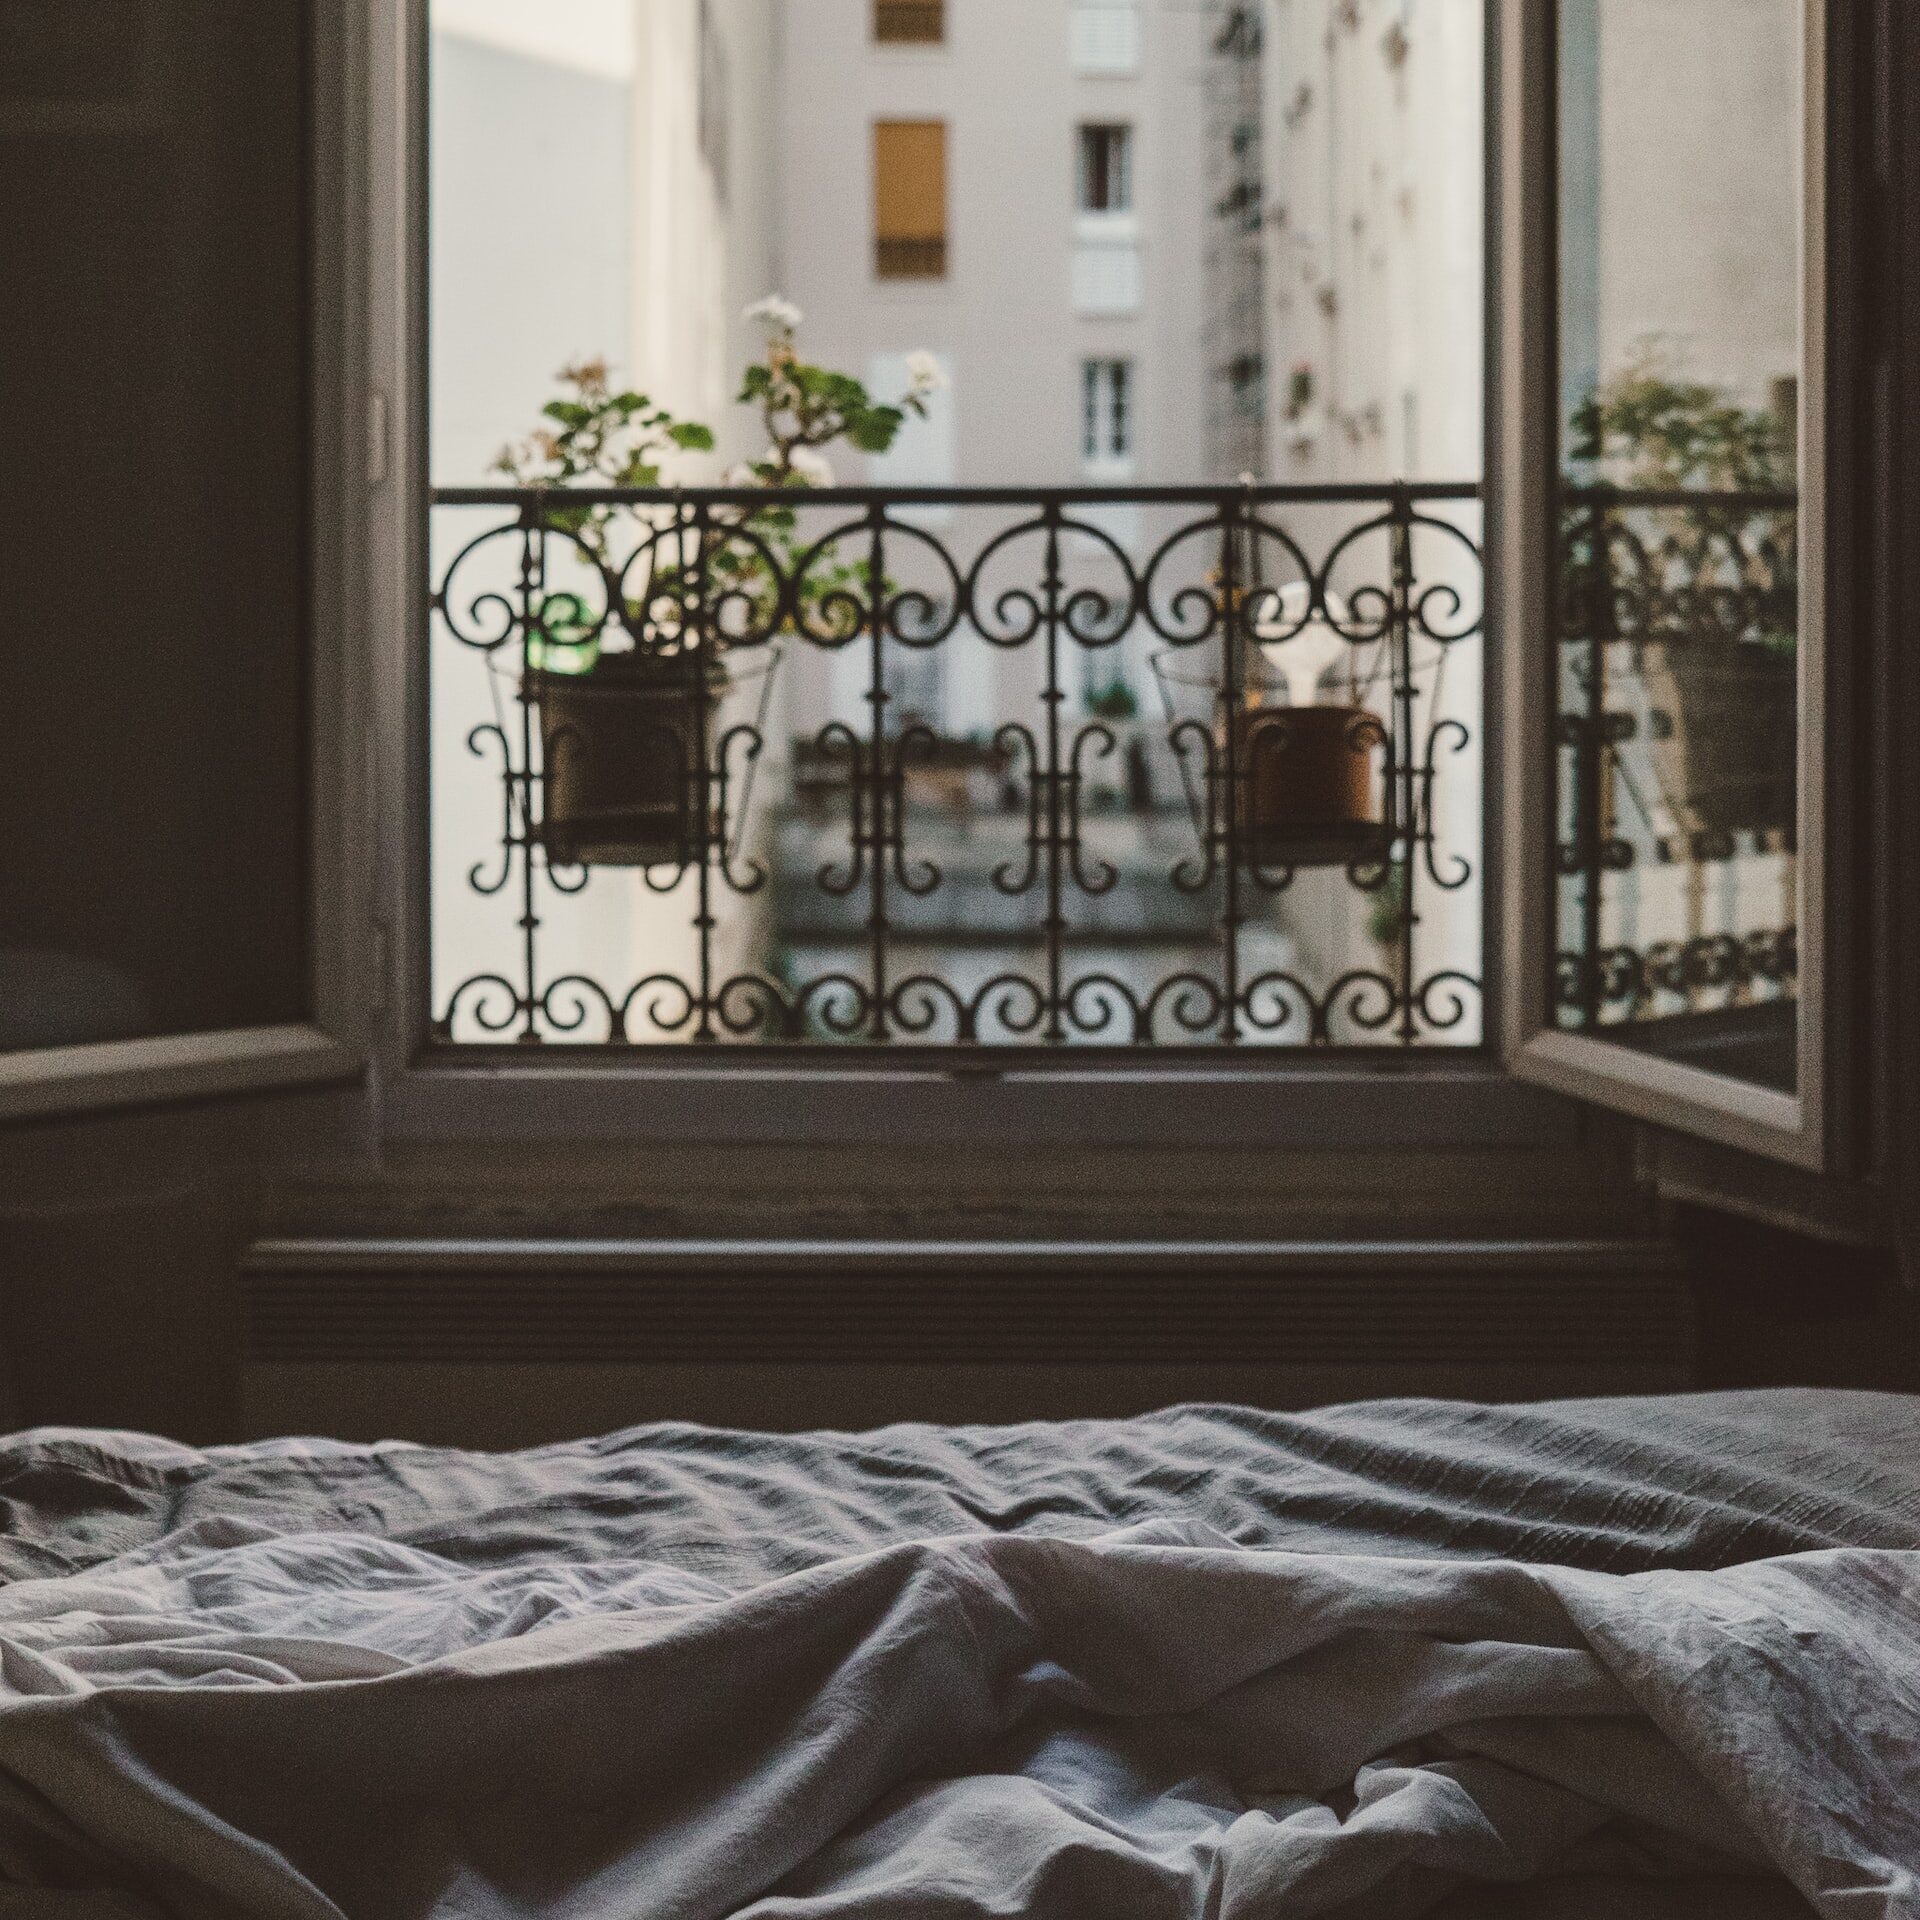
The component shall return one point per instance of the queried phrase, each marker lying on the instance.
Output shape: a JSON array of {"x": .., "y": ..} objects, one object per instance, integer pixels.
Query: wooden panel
[
  {"x": 507, "y": 1406},
  {"x": 503, "y": 1344},
  {"x": 901, "y": 1304}
]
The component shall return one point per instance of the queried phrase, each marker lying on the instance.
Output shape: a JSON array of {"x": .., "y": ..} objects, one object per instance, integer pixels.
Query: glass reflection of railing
[
  {"x": 1678, "y": 733},
  {"x": 1127, "y": 767}
]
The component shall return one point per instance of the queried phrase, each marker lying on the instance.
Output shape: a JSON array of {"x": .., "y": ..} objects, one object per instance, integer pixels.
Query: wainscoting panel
[{"x": 510, "y": 1343}]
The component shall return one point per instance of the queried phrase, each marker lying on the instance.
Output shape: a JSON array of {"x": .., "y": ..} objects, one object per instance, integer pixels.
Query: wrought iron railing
[
  {"x": 1113, "y": 767},
  {"x": 1679, "y": 630}
]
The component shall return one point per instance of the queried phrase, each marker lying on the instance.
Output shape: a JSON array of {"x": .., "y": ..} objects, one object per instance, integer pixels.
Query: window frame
[
  {"x": 331, "y": 1044},
  {"x": 883, "y": 239},
  {"x": 1117, "y": 166},
  {"x": 1804, "y": 1128},
  {"x": 906, "y": 1097},
  {"x": 1109, "y": 411}
]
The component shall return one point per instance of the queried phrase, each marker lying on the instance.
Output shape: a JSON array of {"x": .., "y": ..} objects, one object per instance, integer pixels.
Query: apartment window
[
  {"x": 909, "y": 23},
  {"x": 1106, "y": 37},
  {"x": 1106, "y": 388},
  {"x": 1106, "y": 169},
  {"x": 910, "y": 199}
]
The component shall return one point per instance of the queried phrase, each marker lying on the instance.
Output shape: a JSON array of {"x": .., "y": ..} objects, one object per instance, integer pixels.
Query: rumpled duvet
[{"x": 1388, "y": 1660}]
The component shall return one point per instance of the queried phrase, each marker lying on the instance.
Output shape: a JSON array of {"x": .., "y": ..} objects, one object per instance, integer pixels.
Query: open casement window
[
  {"x": 172, "y": 880},
  {"x": 1674, "y": 769}
]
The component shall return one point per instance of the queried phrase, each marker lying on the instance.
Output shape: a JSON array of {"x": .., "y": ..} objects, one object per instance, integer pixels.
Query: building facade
[{"x": 601, "y": 189}]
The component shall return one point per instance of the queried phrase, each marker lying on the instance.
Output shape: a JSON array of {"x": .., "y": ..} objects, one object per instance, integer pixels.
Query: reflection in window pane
[{"x": 1678, "y": 583}]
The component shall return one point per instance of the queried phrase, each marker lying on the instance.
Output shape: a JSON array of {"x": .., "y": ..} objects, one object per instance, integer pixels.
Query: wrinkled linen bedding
[{"x": 1211, "y": 1664}]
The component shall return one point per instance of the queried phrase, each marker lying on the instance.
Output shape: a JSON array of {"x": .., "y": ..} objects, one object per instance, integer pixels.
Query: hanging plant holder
[
  {"x": 1727, "y": 757},
  {"x": 627, "y": 749},
  {"x": 1305, "y": 757},
  {"x": 1309, "y": 787}
]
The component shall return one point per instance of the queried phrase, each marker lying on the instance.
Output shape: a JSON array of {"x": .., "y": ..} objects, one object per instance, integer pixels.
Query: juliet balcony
[{"x": 1124, "y": 768}]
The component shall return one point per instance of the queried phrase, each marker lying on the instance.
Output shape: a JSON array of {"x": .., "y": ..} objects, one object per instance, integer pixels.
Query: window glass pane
[
  {"x": 153, "y": 447},
  {"x": 1106, "y": 170},
  {"x": 1678, "y": 583},
  {"x": 1157, "y": 251}
]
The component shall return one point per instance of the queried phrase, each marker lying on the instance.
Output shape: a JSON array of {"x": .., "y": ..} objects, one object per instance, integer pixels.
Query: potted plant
[
  {"x": 1309, "y": 792},
  {"x": 628, "y": 705},
  {"x": 1710, "y": 604},
  {"x": 626, "y": 745},
  {"x": 1309, "y": 786}
]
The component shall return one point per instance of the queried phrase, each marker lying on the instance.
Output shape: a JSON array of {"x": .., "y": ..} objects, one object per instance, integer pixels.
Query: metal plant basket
[{"x": 631, "y": 757}]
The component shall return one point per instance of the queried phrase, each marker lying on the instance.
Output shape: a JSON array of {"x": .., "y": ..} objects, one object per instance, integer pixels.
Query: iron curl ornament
[{"x": 1676, "y": 631}]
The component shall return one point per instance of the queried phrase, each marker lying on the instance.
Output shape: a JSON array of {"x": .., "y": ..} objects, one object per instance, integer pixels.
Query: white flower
[
  {"x": 740, "y": 475},
  {"x": 812, "y": 467},
  {"x": 925, "y": 372},
  {"x": 776, "y": 314}
]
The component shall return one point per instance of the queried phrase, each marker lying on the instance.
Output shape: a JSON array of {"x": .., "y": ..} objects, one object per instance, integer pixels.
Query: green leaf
[
  {"x": 569, "y": 413},
  {"x": 691, "y": 437},
  {"x": 838, "y": 390},
  {"x": 875, "y": 430}
]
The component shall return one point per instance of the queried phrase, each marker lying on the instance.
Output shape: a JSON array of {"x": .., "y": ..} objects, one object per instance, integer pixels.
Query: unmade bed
[{"x": 1396, "y": 1659}]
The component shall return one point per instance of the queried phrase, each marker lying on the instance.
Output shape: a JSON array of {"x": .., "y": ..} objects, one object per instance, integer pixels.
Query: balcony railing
[
  {"x": 1679, "y": 632},
  {"x": 1124, "y": 768}
]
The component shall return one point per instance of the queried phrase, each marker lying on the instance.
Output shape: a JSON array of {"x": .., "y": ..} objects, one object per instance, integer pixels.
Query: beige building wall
[
  {"x": 704, "y": 199},
  {"x": 624, "y": 148},
  {"x": 1033, "y": 289},
  {"x": 1375, "y": 214}
]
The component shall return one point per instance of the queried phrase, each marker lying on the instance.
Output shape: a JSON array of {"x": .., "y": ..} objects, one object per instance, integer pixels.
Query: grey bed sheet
[{"x": 1396, "y": 1659}]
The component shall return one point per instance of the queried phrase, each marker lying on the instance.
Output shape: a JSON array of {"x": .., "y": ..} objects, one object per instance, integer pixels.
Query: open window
[
  {"x": 1672, "y": 678},
  {"x": 173, "y": 873},
  {"x": 1640, "y": 813}
]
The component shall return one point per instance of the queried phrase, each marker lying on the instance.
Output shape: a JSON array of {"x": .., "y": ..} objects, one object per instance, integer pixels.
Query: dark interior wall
[
  {"x": 121, "y": 1237},
  {"x": 1779, "y": 1308},
  {"x": 153, "y": 492}
]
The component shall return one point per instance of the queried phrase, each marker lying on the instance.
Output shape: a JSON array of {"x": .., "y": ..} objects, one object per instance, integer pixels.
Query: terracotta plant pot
[
  {"x": 623, "y": 749},
  {"x": 1309, "y": 791}
]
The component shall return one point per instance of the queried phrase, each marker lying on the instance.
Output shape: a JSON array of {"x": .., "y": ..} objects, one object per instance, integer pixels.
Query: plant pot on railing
[
  {"x": 1727, "y": 762},
  {"x": 1308, "y": 792},
  {"x": 623, "y": 747}
]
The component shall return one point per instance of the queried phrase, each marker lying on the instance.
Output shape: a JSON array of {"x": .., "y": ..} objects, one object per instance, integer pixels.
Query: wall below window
[{"x": 238, "y": 1267}]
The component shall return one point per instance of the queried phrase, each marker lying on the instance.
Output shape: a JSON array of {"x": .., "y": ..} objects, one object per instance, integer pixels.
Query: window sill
[
  {"x": 1386, "y": 1101},
  {"x": 128, "y": 1073}
]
